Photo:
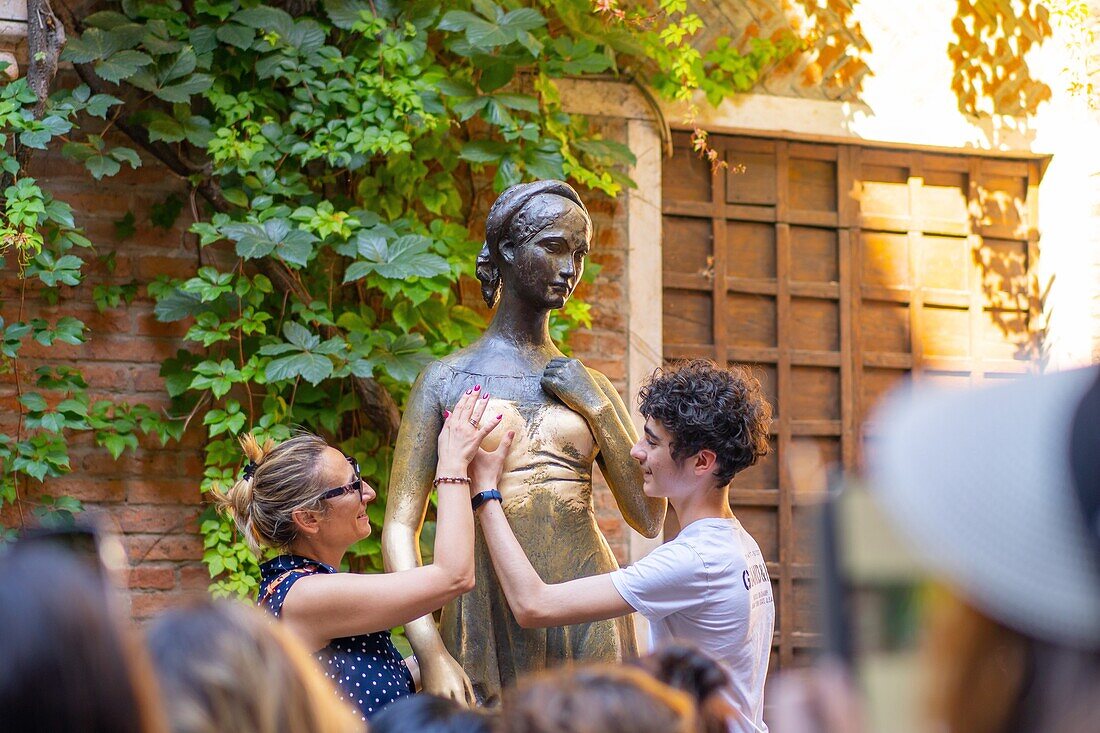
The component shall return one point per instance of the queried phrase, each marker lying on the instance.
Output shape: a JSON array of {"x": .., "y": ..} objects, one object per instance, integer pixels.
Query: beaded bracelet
[{"x": 450, "y": 480}]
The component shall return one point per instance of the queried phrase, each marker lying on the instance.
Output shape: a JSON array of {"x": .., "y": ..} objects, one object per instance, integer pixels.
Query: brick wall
[{"x": 152, "y": 495}]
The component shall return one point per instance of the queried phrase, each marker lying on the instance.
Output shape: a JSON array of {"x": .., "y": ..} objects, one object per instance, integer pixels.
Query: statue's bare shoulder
[{"x": 429, "y": 386}]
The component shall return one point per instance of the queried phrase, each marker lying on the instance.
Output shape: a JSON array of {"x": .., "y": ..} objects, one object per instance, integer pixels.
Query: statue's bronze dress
[{"x": 547, "y": 490}]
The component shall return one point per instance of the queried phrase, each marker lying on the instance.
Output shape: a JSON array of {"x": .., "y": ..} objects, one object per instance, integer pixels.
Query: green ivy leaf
[
  {"x": 236, "y": 35},
  {"x": 484, "y": 151},
  {"x": 165, "y": 128},
  {"x": 311, "y": 367},
  {"x": 275, "y": 236},
  {"x": 300, "y": 336},
  {"x": 121, "y": 65},
  {"x": 92, "y": 44},
  {"x": 496, "y": 75},
  {"x": 402, "y": 258},
  {"x": 404, "y": 357},
  {"x": 176, "y": 305},
  {"x": 35, "y": 138},
  {"x": 164, "y": 213},
  {"x": 33, "y": 401},
  {"x": 344, "y": 14},
  {"x": 406, "y": 316},
  {"x": 100, "y": 104},
  {"x": 181, "y": 93},
  {"x": 102, "y": 165}
]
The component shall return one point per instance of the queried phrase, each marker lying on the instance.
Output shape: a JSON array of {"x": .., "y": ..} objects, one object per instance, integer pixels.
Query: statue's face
[{"x": 545, "y": 268}]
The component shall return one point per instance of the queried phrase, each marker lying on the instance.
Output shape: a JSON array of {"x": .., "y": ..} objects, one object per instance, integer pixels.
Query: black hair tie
[{"x": 250, "y": 470}]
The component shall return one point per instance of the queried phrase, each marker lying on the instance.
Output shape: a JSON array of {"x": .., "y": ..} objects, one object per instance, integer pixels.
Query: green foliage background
[{"x": 339, "y": 158}]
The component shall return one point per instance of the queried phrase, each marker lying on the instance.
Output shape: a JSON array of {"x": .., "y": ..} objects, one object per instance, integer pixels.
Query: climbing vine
[{"x": 339, "y": 159}]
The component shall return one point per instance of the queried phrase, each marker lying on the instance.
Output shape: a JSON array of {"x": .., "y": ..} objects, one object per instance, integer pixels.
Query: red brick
[
  {"x": 194, "y": 578},
  {"x": 612, "y": 264},
  {"x": 9, "y": 515},
  {"x": 611, "y": 369},
  {"x": 605, "y": 292},
  {"x": 147, "y": 325},
  {"x": 143, "y": 463},
  {"x": 80, "y": 485},
  {"x": 156, "y": 519},
  {"x": 174, "y": 489},
  {"x": 158, "y": 577},
  {"x": 131, "y": 349},
  {"x": 193, "y": 463},
  {"x": 107, "y": 377},
  {"x": 144, "y": 605},
  {"x": 105, "y": 201},
  {"x": 153, "y": 266},
  {"x": 146, "y": 378},
  {"x": 142, "y": 548},
  {"x": 55, "y": 353}
]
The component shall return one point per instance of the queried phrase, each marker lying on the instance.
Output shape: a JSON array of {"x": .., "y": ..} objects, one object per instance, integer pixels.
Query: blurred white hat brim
[{"x": 980, "y": 482}]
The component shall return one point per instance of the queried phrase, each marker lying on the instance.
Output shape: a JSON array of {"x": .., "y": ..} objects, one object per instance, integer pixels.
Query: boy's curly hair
[{"x": 702, "y": 405}]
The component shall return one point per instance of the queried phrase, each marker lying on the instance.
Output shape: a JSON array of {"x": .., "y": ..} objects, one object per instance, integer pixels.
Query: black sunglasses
[{"x": 355, "y": 485}]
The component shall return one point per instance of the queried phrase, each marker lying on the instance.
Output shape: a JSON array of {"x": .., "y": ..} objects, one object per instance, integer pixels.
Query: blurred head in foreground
[
  {"x": 68, "y": 662},
  {"x": 426, "y": 713},
  {"x": 596, "y": 699},
  {"x": 999, "y": 490},
  {"x": 684, "y": 667},
  {"x": 225, "y": 666}
]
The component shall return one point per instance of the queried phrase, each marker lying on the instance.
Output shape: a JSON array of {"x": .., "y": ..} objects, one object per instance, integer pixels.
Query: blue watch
[{"x": 484, "y": 496}]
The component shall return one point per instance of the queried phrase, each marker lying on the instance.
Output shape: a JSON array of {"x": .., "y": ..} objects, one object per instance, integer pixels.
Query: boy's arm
[{"x": 534, "y": 603}]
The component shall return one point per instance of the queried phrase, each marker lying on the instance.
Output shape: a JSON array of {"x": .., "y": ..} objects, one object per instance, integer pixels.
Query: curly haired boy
[{"x": 709, "y": 585}]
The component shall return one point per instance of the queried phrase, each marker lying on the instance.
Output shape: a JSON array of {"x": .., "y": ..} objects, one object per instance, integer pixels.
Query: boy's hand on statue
[
  {"x": 464, "y": 428},
  {"x": 487, "y": 466},
  {"x": 570, "y": 382}
]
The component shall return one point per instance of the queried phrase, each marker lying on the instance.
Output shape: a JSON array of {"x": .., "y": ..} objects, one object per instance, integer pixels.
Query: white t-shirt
[{"x": 710, "y": 587}]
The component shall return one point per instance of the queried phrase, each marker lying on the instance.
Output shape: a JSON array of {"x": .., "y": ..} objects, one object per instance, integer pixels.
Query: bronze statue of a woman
[{"x": 564, "y": 415}]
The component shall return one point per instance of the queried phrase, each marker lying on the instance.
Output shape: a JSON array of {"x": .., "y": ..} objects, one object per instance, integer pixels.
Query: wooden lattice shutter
[{"x": 834, "y": 270}]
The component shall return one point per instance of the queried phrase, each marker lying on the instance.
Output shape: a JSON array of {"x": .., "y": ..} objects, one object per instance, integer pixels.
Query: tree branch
[{"x": 45, "y": 37}]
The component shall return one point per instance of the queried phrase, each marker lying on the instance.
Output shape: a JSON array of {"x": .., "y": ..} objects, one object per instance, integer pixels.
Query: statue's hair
[{"x": 509, "y": 222}]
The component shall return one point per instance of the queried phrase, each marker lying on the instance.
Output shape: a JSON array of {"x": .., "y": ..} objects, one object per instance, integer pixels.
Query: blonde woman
[
  {"x": 224, "y": 667},
  {"x": 307, "y": 500}
]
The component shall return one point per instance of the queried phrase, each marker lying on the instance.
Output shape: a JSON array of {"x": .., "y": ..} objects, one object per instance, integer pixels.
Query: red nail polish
[
  {"x": 469, "y": 391},
  {"x": 484, "y": 395},
  {"x": 446, "y": 414},
  {"x": 500, "y": 417},
  {"x": 477, "y": 387}
]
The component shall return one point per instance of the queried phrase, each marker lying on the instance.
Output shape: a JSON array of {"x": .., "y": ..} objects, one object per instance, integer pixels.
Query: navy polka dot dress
[{"x": 367, "y": 668}]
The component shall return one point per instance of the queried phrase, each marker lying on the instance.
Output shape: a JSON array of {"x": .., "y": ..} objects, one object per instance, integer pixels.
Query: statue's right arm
[{"x": 414, "y": 464}]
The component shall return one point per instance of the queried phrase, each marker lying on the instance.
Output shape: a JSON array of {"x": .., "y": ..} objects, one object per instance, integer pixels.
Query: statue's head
[{"x": 536, "y": 238}]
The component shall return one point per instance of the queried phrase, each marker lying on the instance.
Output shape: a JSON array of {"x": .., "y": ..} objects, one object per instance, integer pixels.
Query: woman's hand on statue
[
  {"x": 441, "y": 675},
  {"x": 569, "y": 381},
  {"x": 464, "y": 428},
  {"x": 487, "y": 466}
]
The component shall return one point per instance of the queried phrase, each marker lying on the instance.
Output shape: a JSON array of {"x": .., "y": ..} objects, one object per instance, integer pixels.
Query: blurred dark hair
[
  {"x": 69, "y": 661},
  {"x": 596, "y": 699},
  {"x": 225, "y": 666},
  {"x": 705, "y": 406},
  {"x": 684, "y": 667},
  {"x": 429, "y": 714}
]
